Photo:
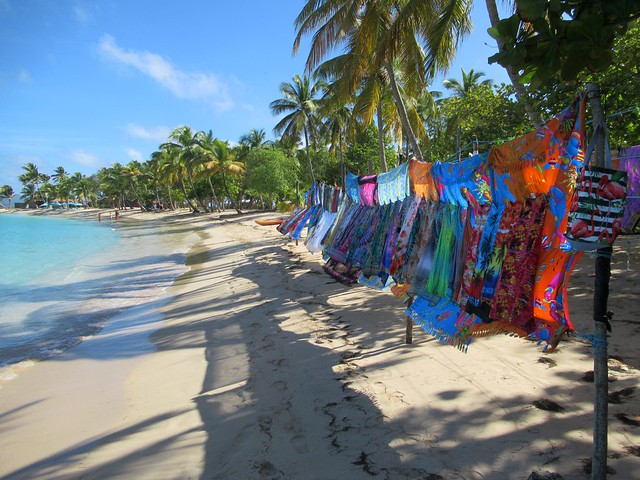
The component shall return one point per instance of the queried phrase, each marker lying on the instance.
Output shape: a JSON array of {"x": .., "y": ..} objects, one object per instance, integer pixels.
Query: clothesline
[{"x": 482, "y": 246}]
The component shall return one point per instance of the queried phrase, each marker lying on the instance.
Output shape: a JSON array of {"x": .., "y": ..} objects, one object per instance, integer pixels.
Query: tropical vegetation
[{"x": 367, "y": 102}]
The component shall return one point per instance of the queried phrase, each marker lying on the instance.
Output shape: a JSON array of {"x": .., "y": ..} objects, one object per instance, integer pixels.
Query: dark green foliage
[
  {"x": 486, "y": 112},
  {"x": 271, "y": 172},
  {"x": 547, "y": 39}
]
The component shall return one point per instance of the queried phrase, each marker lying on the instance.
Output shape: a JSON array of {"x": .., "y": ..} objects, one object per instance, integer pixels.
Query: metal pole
[{"x": 600, "y": 315}]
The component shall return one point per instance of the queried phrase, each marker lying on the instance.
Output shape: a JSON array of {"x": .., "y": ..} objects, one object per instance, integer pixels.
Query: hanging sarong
[
  {"x": 512, "y": 308},
  {"x": 420, "y": 251},
  {"x": 393, "y": 185},
  {"x": 352, "y": 188},
  {"x": 404, "y": 237},
  {"x": 630, "y": 162},
  {"x": 314, "y": 242},
  {"x": 422, "y": 181},
  {"x": 368, "y": 190}
]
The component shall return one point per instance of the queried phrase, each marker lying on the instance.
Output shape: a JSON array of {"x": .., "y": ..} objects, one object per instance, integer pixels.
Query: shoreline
[
  {"x": 105, "y": 284},
  {"x": 264, "y": 367}
]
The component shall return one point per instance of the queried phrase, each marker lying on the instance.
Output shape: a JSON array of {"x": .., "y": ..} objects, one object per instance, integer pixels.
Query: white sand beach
[{"x": 257, "y": 365}]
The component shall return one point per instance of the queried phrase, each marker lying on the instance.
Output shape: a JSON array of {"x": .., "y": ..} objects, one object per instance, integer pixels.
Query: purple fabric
[
  {"x": 630, "y": 162},
  {"x": 368, "y": 190}
]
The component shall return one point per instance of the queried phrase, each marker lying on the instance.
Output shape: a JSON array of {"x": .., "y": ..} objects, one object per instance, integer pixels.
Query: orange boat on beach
[{"x": 270, "y": 221}]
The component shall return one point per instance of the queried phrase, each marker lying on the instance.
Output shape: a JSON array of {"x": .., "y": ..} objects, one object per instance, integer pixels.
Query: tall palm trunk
[
  {"x": 226, "y": 190},
  {"x": 402, "y": 111},
  {"x": 195, "y": 195},
  {"x": 186, "y": 197},
  {"x": 383, "y": 157},
  {"x": 521, "y": 91},
  {"x": 171, "y": 204},
  {"x": 135, "y": 193},
  {"x": 216, "y": 203},
  {"x": 306, "y": 140}
]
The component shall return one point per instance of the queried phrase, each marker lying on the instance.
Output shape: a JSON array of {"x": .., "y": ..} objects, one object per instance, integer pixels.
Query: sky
[{"x": 87, "y": 83}]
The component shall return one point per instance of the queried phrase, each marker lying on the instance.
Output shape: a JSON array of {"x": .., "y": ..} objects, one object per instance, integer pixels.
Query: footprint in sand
[
  {"x": 299, "y": 444},
  {"x": 280, "y": 385}
]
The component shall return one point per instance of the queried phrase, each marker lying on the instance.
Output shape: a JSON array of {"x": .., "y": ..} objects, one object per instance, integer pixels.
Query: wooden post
[
  {"x": 409, "y": 330},
  {"x": 600, "y": 315}
]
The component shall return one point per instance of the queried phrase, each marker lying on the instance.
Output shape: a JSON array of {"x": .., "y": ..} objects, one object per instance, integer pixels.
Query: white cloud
[
  {"x": 185, "y": 85},
  {"x": 83, "y": 158},
  {"x": 81, "y": 14},
  {"x": 158, "y": 134},
  {"x": 24, "y": 76},
  {"x": 135, "y": 155}
]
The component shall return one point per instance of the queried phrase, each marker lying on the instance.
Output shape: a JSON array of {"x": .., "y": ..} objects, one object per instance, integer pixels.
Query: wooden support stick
[{"x": 409, "y": 330}]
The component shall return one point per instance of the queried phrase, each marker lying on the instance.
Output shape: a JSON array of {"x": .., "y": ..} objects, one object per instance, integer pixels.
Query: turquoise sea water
[{"x": 61, "y": 280}]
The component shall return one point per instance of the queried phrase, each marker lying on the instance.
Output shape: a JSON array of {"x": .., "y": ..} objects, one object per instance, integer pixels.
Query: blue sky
[{"x": 84, "y": 84}]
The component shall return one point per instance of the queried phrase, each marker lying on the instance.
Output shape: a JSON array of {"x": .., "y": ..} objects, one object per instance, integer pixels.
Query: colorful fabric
[
  {"x": 368, "y": 190},
  {"x": 404, "y": 236},
  {"x": 394, "y": 185},
  {"x": 512, "y": 308},
  {"x": 535, "y": 162},
  {"x": 595, "y": 217},
  {"x": 421, "y": 250},
  {"x": 443, "y": 319},
  {"x": 399, "y": 210},
  {"x": 481, "y": 245},
  {"x": 630, "y": 163},
  {"x": 458, "y": 181},
  {"x": 352, "y": 187},
  {"x": 422, "y": 181},
  {"x": 555, "y": 262},
  {"x": 314, "y": 241},
  {"x": 474, "y": 228}
]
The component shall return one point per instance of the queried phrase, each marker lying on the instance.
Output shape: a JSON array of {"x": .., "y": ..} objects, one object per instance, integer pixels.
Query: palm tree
[
  {"x": 339, "y": 123},
  {"x": 63, "y": 189},
  {"x": 59, "y": 175},
  {"x": 32, "y": 177},
  {"x": 253, "y": 139},
  {"x": 82, "y": 187},
  {"x": 182, "y": 143},
  {"x": 132, "y": 172},
  {"x": 6, "y": 191},
  {"x": 470, "y": 81},
  {"x": 300, "y": 104},
  {"x": 29, "y": 194},
  {"x": 206, "y": 153},
  {"x": 223, "y": 161},
  {"x": 113, "y": 184},
  {"x": 421, "y": 35},
  {"x": 175, "y": 168},
  {"x": 168, "y": 175}
]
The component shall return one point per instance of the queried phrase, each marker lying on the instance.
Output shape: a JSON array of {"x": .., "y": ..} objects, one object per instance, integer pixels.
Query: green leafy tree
[
  {"x": 6, "y": 192},
  {"x": 31, "y": 179},
  {"x": 490, "y": 114},
  {"x": 133, "y": 173},
  {"x": 362, "y": 156},
  {"x": 271, "y": 172},
  {"x": 547, "y": 39}
]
